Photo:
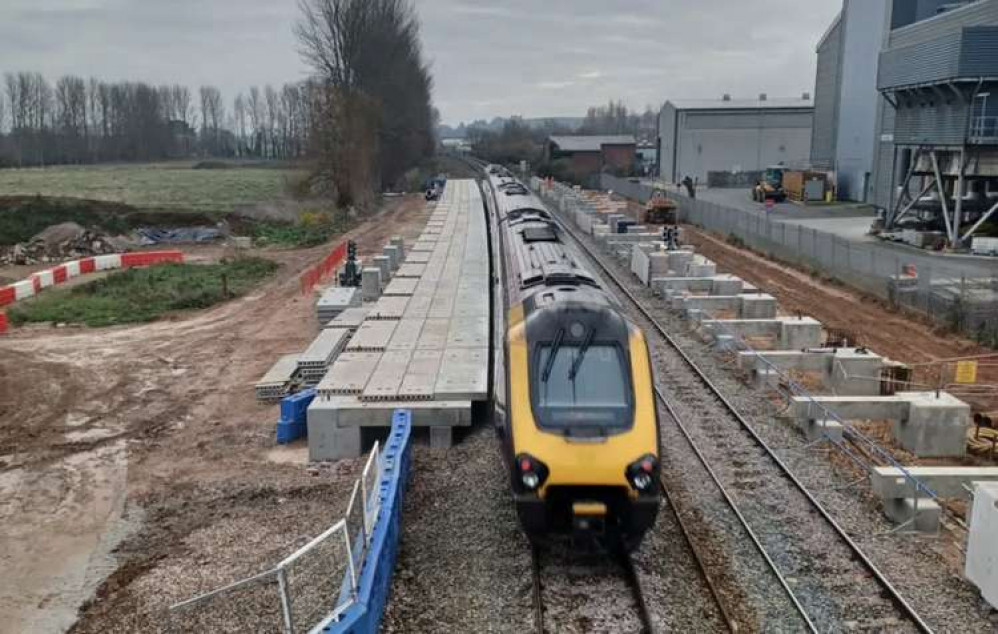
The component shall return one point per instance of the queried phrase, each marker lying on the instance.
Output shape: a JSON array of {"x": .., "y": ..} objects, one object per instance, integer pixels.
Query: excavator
[{"x": 770, "y": 187}]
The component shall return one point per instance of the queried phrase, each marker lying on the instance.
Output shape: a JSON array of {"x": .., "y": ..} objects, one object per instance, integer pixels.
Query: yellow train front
[{"x": 575, "y": 405}]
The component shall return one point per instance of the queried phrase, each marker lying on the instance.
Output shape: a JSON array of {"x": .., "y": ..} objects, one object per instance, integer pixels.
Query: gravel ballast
[{"x": 912, "y": 563}]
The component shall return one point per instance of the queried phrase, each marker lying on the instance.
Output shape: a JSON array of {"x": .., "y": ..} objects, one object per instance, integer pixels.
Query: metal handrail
[{"x": 370, "y": 499}]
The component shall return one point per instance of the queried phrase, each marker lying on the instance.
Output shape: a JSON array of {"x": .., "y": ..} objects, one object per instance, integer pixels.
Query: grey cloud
[{"x": 526, "y": 57}]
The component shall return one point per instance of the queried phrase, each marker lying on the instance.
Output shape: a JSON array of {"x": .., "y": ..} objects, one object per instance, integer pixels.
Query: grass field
[
  {"x": 141, "y": 295},
  {"x": 174, "y": 186}
]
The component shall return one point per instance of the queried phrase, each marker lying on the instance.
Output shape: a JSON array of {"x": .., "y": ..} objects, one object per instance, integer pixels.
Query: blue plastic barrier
[
  {"x": 364, "y": 616},
  {"x": 294, "y": 410}
]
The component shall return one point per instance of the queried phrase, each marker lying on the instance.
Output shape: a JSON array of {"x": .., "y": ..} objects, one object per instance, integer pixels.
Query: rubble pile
[{"x": 66, "y": 241}]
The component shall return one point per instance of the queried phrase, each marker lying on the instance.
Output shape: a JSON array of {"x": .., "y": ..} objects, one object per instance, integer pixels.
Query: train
[{"x": 574, "y": 400}]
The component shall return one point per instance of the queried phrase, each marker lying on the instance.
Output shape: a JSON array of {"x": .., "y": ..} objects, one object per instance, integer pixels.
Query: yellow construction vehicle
[
  {"x": 660, "y": 209},
  {"x": 770, "y": 187}
]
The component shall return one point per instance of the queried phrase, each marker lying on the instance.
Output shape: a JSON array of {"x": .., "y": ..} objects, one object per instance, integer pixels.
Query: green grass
[
  {"x": 174, "y": 186},
  {"x": 311, "y": 230},
  {"x": 142, "y": 295}
]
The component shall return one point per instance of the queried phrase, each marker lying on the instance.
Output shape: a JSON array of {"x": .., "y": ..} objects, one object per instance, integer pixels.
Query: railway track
[
  {"x": 589, "y": 595},
  {"x": 822, "y": 572}
]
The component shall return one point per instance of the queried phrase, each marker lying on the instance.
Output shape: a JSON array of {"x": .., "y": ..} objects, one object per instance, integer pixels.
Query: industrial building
[
  {"x": 588, "y": 156},
  {"x": 697, "y": 137},
  {"x": 936, "y": 141},
  {"x": 845, "y": 96},
  {"x": 846, "y": 100}
]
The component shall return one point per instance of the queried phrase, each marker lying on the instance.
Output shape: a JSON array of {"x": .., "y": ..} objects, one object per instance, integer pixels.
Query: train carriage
[{"x": 575, "y": 404}]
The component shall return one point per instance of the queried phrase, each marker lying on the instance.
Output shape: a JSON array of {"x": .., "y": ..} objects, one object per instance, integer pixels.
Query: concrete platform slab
[
  {"x": 372, "y": 336},
  {"x": 421, "y": 377},
  {"x": 349, "y": 374},
  {"x": 388, "y": 308},
  {"x": 387, "y": 378},
  {"x": 417, "y": 257},
  {"x": 463, "y": 374},
  {"x": 350, "y": 318},
  {"x": 410, "y": 270},
  {"x": 406, "y": 335}
]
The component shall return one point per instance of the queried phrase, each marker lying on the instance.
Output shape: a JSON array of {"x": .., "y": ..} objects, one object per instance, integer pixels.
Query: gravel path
[
  {"x": 464, "y": 564},
  {"x": 912, "y": 563}
]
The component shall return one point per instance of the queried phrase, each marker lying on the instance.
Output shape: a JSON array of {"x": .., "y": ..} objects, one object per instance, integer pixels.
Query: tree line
[{"x": 77, "y": 120}]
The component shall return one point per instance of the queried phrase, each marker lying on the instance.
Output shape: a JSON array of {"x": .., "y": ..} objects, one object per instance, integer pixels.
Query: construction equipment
[
  {"x": 350, "y": 274},
  {"x": 770, "y": 187},
  {"x": 660, "y": 209}
]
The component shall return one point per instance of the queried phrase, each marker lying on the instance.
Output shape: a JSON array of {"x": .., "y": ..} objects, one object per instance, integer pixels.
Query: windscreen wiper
[
  {"x": 582, "y": 355},
  {"x": 551, "y": 357}
]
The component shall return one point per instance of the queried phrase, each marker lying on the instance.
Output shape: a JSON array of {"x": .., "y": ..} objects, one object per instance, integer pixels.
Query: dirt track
[{"x": 148, "y": 439}]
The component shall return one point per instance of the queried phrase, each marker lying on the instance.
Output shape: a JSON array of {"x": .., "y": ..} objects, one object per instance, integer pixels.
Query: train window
[{"x": 587, "y": 393}]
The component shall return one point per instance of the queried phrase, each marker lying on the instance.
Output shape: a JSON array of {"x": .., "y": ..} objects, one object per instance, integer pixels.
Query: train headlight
[
  {"x": 643, "y": 472},
  {"x": 531, "y": 471}
]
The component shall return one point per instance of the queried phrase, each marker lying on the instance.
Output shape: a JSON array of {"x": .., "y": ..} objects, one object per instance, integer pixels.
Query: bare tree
[{"x": 377, "y": 89}]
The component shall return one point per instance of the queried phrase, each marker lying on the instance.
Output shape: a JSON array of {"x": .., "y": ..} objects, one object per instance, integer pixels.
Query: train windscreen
[{"x": 583, "y": 389}]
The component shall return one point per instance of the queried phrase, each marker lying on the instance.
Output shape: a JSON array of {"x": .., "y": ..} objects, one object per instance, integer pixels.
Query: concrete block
[
  {"x": 394, "y": 256},
  {"x": 818, "y": 429},
  {"x": 441, "y": 437},
  {"x": 370, "y": 283},
  {"x": 678, "y": 261},
  {"x": 927, "y": 514},
  {"x": 725, "y": 343},
  {"x": 855, "y": 372},
  {"x": 947, "y": 482},
  {"x": 799, "y": 334},
  {"x": 398, "y": 241},
  {"x": 758, "y": 307},
  {"x": 701, "y": 269},
  {"x": 383, "y": 263},
  {"x": 351, "y": 318},
  {"x": 936, "y": 425},
  {"x": 726, "y": 285},
  {"x": 329, "y": 441}
]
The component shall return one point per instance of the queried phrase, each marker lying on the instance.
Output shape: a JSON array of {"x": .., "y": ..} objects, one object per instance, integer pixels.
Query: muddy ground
[{"x": 140, "y": 453}]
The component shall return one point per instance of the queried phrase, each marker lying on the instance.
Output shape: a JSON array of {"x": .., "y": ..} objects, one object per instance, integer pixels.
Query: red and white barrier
[{"x": 68, "y": 270}]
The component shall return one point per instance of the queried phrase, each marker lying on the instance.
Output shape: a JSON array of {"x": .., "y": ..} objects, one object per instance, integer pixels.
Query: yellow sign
[{"x": 966, "y": 372}]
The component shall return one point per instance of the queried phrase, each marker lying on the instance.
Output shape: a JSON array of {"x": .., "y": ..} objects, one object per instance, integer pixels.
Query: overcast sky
[{"x": 489, "y": 58}]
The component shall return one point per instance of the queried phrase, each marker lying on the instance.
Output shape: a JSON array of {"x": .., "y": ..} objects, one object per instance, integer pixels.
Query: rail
[{"x": 895, "y": 596}]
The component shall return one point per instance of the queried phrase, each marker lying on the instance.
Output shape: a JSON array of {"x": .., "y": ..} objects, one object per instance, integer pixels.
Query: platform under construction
[{"x": 423, "y": 344}]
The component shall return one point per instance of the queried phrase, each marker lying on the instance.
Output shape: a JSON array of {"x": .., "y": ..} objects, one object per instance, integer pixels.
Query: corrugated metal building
[
  {"x": 846, "y": 98},
  {"x": 696, "y": 137},
  {"x": 940, "y": 105}
]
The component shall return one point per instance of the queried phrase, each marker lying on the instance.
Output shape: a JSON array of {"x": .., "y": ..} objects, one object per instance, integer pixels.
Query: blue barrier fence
[
  {"x": 364, "y": 616},
  {"x": 294, "y": 416}
]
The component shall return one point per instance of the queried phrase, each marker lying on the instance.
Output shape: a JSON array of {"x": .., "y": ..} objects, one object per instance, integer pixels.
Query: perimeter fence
[{"x": 954, "y": 296}]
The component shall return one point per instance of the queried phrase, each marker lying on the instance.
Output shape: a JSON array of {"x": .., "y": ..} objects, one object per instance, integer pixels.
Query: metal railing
[{"x": 299, "y": 592}]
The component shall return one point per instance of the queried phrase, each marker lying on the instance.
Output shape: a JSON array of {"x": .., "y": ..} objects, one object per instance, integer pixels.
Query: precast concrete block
[
  {"x": 394, "y": 257},
  {"x": 701, "y": 269},
  {"x": 855, "y": 372},
  {"x": 678, "y": 261},
  {"x": 441, "y": 437},
  {"x": 726, "y": 285},
  {"x": 799, "y": 334},
  {"x": 327, "y": 440},
  {"x": 758, "y": 307},
  {"x": 398, "y": 241},
  {"x": 370, "y": 283},
  {"x": 936, "y": 425},
  {"x": 725, "y": 343},
  {"x": 822, "y": 428},
  {"x": 382, "y": 262},
  {"x": 923, "y": 514}
]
